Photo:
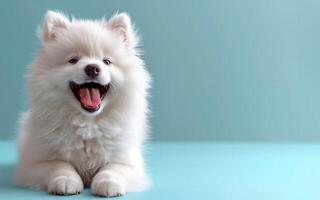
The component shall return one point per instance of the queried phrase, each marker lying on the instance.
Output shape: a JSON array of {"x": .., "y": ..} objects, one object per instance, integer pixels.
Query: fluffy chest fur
[
  {"x": 86, "y": 144},
  {"x": 86, "y": 138}
]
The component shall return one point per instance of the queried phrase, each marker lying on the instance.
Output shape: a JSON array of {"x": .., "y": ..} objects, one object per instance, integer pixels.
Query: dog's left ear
[
  {"x": 53, "y": 23},
  {"x": 121, "y": 24}
]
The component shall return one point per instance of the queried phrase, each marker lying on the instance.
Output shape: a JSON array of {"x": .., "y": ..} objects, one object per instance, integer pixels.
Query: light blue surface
[
  {"x": 217, "y": 171},
  {"x": 223, "y": 69}
]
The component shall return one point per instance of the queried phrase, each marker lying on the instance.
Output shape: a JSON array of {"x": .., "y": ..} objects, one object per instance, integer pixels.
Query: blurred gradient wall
[{"x": 223, "y": 69}]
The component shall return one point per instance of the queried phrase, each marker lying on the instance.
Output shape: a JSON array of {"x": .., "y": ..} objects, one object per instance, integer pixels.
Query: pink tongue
[{"x": 90, "y": 97}]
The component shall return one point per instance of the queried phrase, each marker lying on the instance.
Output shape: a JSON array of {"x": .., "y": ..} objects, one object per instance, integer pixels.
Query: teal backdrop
[{"x": 223, "y": 69}]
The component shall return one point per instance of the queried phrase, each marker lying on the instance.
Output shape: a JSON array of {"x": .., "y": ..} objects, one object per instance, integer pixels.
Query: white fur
[{"x": 63, "y": 147}]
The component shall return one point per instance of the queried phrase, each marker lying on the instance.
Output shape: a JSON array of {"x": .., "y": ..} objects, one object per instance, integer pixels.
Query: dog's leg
[
  {"x": 110, "y": 181},
  {"x": 57, "y": 177},
  {"x": 115, "y": 179},
  {"x": 119, "y": 177}
]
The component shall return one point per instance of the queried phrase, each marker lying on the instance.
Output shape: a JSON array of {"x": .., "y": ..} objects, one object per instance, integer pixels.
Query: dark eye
[
  {"x": 107, "y": 61},
  {"x": 73, "y": 60}
]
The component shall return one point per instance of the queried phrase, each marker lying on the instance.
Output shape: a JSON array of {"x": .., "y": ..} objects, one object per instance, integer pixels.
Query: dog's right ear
[{"x": 53, "y": 22}]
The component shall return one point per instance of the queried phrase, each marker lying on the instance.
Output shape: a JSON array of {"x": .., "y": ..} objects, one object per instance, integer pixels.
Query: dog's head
[{"x": 83, "y": 63}]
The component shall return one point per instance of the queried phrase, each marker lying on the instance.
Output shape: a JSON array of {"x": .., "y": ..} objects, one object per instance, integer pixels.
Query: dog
[{"x": 87, "y": 117}]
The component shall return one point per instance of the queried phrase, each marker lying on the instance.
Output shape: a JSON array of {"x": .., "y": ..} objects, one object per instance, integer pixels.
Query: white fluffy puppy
[{"x": 86, "y": 119}]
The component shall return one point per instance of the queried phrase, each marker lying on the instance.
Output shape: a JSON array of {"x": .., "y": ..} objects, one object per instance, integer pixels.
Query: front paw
[
  {"x": 64, "y": 185},
  {"x": 108, "y": 186}
]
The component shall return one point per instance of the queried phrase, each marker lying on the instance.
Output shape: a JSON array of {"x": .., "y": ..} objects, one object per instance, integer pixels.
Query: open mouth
[{"x": 89, "y": 94}]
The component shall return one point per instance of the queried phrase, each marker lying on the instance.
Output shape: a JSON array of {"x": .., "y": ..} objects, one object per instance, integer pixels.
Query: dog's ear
[
  {"x": 53, "y": 22},
  {"x": 121, "y": 24}
]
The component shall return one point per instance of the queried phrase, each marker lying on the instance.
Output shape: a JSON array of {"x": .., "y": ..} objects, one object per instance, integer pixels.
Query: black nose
[{"x": 92, "y": 70}]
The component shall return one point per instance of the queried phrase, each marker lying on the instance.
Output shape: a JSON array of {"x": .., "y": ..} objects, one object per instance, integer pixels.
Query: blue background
[{"x": 223, "y": 69}]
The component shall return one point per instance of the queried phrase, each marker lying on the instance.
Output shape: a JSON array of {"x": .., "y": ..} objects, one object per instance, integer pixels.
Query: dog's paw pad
[
  {"x": 107, "y": 188},
  {"x": 63, "y": 185}
]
